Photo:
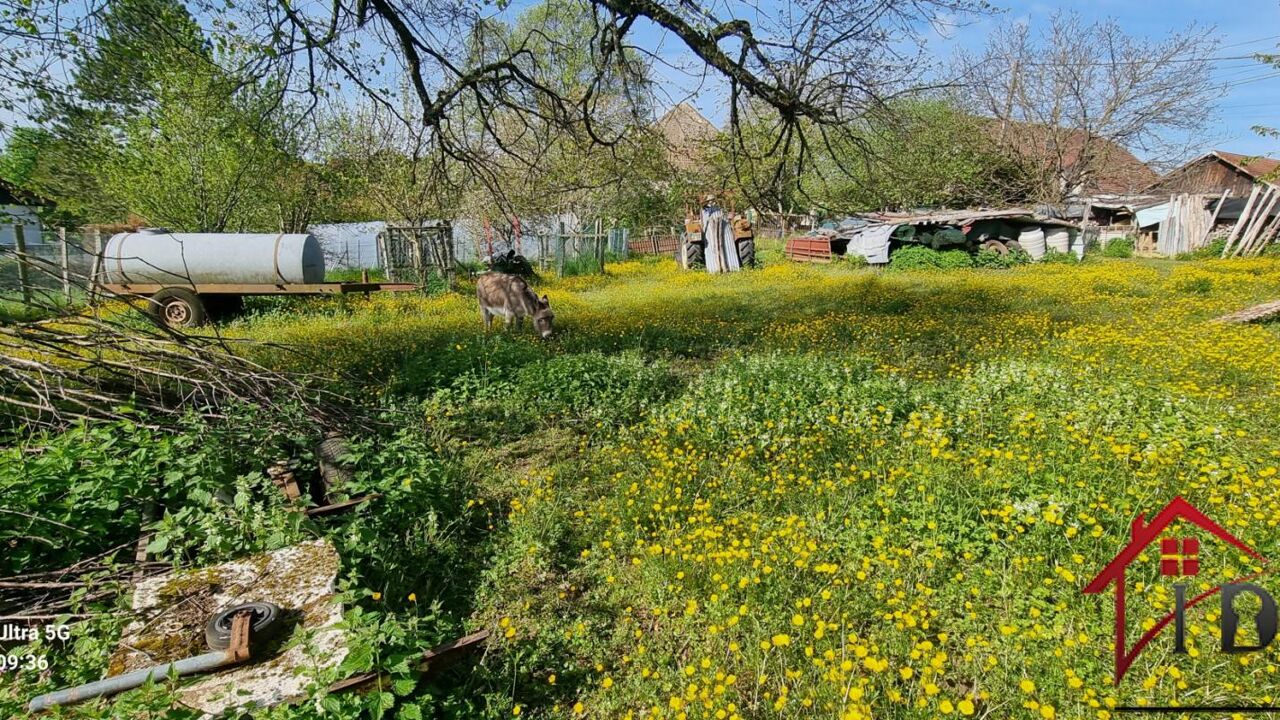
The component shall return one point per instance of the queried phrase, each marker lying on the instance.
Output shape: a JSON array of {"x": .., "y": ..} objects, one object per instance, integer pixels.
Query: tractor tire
[
  {"x": 695, "y": 254},
  {"x": 995, "y": 245},
  {"x": 178, "y": 308},
  {"x": 268, "y": 618},
  {"x": 747, "y": 252}
]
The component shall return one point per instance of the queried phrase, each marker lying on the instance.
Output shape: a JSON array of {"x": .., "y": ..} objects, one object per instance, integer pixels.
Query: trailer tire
[
  {"x": 178, "y": 308},
  {"x": 995, "y": 245},
  {"x": 268, "y": 618}
]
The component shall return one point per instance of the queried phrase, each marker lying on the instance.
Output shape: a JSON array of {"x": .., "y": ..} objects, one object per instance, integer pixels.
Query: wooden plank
[
  {"x": 433, "y": 660},
  {"x": 1235, "y": 231},
  {"x": 94, "y": 287},
  {"x": 20, "y": 246},
  {"x": 341, "y": 507},
  {"x": 1250, "y": 237},
  {"x": 65, "y": 263},
  {"x": 1264, "y": 311}
]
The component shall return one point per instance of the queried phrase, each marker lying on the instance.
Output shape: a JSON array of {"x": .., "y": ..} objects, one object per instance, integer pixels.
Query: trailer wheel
[
  {"x": 178, "y": 307},
  {"x": 995, "y": 245},
  {"x": 266, "y": 622}
]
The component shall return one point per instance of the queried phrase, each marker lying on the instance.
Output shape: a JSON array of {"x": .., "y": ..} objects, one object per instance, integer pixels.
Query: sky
[{"x": 1251, "y": 90}]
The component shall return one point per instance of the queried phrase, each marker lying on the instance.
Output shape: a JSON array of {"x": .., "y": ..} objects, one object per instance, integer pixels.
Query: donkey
[{"x": 510, "y": 297}]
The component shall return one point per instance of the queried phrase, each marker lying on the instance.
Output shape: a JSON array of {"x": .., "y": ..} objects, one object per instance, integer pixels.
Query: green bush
[
  {"x": 1057, "y": 256},
  {"x": 1121, "y": 247},
  {"x": 1212, "y": 250},
  {"x": 919, "y": 257},
  {"x": 855, "y": 261},
  {"x": 993, "y": 259},
  {"x": 951, "y": 259}
]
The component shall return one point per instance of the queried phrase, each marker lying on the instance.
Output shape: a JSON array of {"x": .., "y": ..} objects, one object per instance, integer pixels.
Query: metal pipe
[{"x": 128, "y": 681}]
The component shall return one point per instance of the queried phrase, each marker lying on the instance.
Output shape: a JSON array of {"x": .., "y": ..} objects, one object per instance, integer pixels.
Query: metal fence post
[{"x": 20, "y": 245}]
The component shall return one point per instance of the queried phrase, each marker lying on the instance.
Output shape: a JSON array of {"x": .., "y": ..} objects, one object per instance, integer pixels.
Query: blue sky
[{"x": 1243, "y": 27}]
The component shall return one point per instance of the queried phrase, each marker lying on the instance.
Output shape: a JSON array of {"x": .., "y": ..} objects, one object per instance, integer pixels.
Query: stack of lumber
[
  {"x": 1186, "y": 226},
  {"x": 1256, "y": 227}
]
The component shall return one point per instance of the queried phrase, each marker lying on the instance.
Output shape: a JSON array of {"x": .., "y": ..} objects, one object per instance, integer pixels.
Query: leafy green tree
[
  {"x": 198, "y": 162},
  {"x": 913, "y": 153}
]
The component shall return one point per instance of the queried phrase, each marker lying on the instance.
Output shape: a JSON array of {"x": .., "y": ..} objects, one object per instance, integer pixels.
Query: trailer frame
[{"x": 188, "y": 304}]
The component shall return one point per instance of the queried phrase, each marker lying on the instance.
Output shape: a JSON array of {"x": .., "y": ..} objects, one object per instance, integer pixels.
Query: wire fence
[{"x": 47, "y": 265}]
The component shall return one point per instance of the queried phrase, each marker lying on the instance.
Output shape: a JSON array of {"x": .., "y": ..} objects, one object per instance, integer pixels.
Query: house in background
[
  {"x": 687, "y": 137},
  {"x": 19, "y": 208},
  {"x": 1215, "y": 173},
  {"x": 1203, "y": 183}
]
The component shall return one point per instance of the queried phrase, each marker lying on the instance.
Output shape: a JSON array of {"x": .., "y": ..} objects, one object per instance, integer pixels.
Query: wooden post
[
  {"x": 20, "y": 245},
  {"x": 1235, "y": 231},
  {"x": 560, "y": 249},
  {"x": 600, "y": 240},
  {"x": 1261, "y": 211},
  {"x": 95, "y": 267},
  {"x": 1250, "y": 239},
  {"x": 383, "y": 258},
  {"x": 66, "y": 265}
]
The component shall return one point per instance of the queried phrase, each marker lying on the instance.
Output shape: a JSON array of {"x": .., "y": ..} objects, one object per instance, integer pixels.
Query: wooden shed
[{"x": 1215, "y": 173}]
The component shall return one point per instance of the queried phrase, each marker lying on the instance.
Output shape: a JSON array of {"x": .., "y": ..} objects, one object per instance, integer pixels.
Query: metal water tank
[{"x": 159, "y": 256}]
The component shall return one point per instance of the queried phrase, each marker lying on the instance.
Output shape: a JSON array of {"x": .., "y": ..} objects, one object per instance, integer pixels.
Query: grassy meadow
[{"x": 798, "y": 491}]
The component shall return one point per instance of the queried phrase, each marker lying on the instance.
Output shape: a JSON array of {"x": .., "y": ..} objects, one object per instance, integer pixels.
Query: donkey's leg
[{"x": 488, "y": 318}]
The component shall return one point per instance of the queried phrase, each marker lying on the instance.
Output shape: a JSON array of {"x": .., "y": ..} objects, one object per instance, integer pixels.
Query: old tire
[
  {"x": 268, "y": 618},
  {"x": 995, "y": 245},
  {"x": 178, "y": 308},
  {"x": 747, "y": 252},
  {"x": 695, "y": 254}
]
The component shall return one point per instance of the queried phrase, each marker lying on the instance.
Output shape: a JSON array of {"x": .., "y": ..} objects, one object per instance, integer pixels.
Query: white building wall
[{"x": 11, "y": 215}]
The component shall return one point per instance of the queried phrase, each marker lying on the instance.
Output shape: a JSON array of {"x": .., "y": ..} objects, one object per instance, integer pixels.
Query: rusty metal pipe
[
  {"x": 112, "y": 685},
  {"x": 236, "y": 653}
]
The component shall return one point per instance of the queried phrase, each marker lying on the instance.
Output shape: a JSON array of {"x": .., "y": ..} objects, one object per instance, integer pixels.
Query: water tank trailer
[{"x": 187, "y": 276}]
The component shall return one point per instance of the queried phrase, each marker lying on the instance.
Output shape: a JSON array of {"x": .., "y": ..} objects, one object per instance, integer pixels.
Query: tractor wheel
[
  {"x": 995, "y": 245},
  {"x": 747, "y": 252},
  {"x": 267, "y": 620},
  {"x": 178, "y": 308},
  {"x": 695, "y": 254}
]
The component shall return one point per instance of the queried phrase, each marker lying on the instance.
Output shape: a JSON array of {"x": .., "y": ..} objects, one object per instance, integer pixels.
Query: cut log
[{"x": 1265, "y": 311}]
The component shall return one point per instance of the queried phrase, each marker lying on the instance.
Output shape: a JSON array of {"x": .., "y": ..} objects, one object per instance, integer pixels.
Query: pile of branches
[
  {"x": 116, "y": 361},
  {"x": 73, "y": 591}
]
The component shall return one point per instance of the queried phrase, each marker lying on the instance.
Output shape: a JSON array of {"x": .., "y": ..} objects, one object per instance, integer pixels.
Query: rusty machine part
[{"x": 235, "y": 627}]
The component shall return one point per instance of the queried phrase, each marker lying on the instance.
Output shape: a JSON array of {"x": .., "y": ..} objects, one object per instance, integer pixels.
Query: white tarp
[
  {"x": 722, "y": 250},
  {"x": 1153, "y": 215},
  {"x": 871, "y": 242}
]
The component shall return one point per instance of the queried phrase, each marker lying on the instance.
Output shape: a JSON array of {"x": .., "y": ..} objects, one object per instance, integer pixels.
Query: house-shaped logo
[{"x": 1179, "y": 557}]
